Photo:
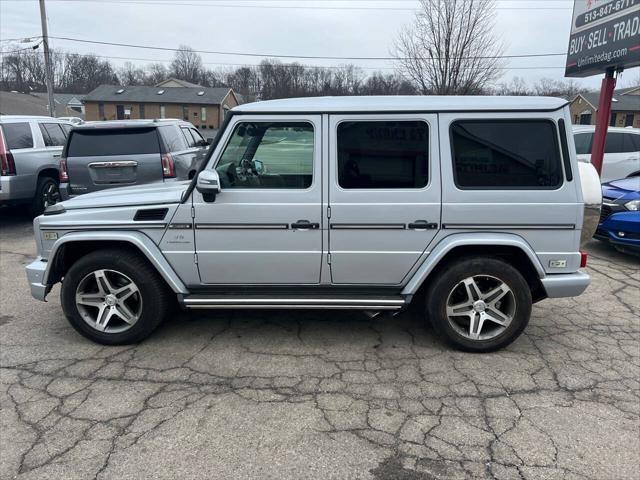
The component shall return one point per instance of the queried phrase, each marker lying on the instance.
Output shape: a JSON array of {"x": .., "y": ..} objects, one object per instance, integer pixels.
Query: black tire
[
  {"x": 154, "y": 293},
  {"x": 47, "y": 193},
  {"x": 451, "y": 276}
]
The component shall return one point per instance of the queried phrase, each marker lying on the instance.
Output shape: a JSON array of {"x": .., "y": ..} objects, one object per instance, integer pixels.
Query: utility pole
[{"x": 47, "y": 59}]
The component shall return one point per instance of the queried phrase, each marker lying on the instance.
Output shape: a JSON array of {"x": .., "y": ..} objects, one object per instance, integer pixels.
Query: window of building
[
  {"x": 203, "y": 114},
  {"x": 379, "y": 154},
  {"x": 52, "y": 134},
  {"x": 628, "y": 120},
  {"x": 101, "y": 111},
  {"x": 120, "y": 112},
  {"x": 585, "y": 118},
  {"x": 162, "y": 111},
  {"x": 142, "y": 113},
  {"x": 612, "y": 120},
  {"x": 185, "y": 113},
  {"x": 268, "y": 155},
  {"x": 17, "y": 135},
  {"x": 508, "y": 154}
]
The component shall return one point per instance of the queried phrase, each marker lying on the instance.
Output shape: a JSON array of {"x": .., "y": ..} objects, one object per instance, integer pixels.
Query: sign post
[{"x": 605, "y": 37}]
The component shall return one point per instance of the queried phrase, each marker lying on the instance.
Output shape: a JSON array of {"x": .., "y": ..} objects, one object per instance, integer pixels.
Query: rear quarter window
[
  {"x": 105, "y": 142},
  {"x": 17, "y": 135},
  {"x": 506, "y": 154}
]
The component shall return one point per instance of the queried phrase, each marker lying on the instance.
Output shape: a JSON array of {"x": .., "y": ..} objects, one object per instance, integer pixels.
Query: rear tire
[
  {"x": 479, "y": 304},
  {"x": 47, "y": 193},
  {"x": 114, "y": 297}
]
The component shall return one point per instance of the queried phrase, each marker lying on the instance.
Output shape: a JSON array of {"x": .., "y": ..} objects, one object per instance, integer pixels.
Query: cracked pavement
[{"x": 320, "y": 394}]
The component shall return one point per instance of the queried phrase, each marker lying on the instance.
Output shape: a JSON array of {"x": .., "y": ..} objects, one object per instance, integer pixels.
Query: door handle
[
  {"x": 422, "y": 225},
  {"x": 56, "y": 155},
  {"x": 304, "y": 225}
]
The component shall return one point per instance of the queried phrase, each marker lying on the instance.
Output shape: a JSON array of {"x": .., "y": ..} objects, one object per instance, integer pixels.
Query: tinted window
[
  {"x": 17, "y": 135},
  {"x": 620, "y": 143},
  {"x": 173, "y": 139},
  {"x": 583, "y": 143},
  {"x": 188, "y": 137},
  {"x": 102, "y": 142},
  {"x": 634, "y": 141},
  {"x": 66, "y": 128},
  {"x": 268, "y": 155},
  {"x": 196, "y": 135},
  {"x": 506, "y": 154},
  {"x": 383, "y": 154},
  {"x": 52, "y": 134}
]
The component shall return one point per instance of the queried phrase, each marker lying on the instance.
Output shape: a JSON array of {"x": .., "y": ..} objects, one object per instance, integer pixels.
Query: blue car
[{"x": 620, "y": 216}]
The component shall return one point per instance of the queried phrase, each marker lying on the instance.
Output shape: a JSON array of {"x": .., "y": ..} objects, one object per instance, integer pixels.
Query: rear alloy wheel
[
  {"x": 114, "y": 297},
  {"x": 479, "y": 304},
  {"x": 47, "y": 194}
]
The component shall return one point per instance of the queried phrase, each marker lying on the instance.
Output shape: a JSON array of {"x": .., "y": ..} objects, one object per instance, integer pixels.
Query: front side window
[
  {"x": 17, "y": 135},
  {"x": 173, "y": 139},
  {"x": 268, "y": 155},
  {"x": 383, "y": 154},
  {"x": 506, "y": 154},
  {"x": 52, "y": 134}
]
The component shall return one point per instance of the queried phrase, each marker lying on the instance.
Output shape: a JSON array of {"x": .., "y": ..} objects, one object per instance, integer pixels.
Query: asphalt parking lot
[{"x": 293, "y": 395}]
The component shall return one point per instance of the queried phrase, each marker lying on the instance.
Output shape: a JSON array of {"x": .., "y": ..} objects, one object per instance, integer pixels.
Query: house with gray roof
[
  {"x": 625, "y": 108},
  {"x": 203, "y": 106}
]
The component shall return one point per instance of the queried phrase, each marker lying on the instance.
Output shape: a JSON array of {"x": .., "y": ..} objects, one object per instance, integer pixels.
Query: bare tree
[
  {"x": 450, "y": 48},
  {"x": 156, "y": 73},
  {"x": 187, "y": 65},
  {"x": 130, "y": 74}
]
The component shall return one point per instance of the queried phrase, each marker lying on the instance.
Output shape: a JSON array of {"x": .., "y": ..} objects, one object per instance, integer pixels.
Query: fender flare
[
  {"x": 143, "y": 243},
  {"x": 469, "y": 239}
]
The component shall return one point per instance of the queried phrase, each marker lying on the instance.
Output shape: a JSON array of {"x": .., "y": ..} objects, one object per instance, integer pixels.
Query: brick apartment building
[
  {"x": 625, "y": 108},
  {"x": 204, "y": 107}
]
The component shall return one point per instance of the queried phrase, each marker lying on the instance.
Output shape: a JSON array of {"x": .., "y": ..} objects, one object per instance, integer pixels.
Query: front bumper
[
  {"x": 35, "y": 276},
  {"x": 566, "y": 284},
  {"x": 622, "y": 230}
]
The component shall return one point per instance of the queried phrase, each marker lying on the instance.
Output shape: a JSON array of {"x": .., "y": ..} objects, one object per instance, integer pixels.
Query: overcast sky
[{"x": 351, "y": 29}]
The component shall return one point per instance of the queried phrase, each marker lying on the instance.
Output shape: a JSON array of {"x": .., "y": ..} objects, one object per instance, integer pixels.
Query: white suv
[{"x": 621, "y": 153}]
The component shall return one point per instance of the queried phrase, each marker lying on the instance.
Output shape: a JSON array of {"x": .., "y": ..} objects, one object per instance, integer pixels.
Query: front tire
[
  {"x": 479, "y": 304},
  {"x": 114, "y": 297}
]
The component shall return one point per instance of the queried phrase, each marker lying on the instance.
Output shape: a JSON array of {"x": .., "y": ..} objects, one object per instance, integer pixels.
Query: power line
[{"x": 308, "y": 57}]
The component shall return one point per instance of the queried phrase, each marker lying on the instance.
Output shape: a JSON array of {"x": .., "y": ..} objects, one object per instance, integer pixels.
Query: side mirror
[{"x": 208, "y": 184}]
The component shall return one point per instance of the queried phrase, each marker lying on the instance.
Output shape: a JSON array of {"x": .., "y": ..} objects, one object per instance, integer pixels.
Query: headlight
[{"x": 633, "y": 205}]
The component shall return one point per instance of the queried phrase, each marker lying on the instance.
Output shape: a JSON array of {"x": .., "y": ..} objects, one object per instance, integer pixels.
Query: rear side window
[
  {"x": 52, "y": 134},
  {"x": 383, "y": 155},
  {"x": 506, "y": 154},
  {"x": 620, "y": 143},
  {"x": 111, "y": 141},
  {"x": 634, "y": 141},
  {"x": 173, "y": 139},
  {"x": 17, "y": 135},
  {"x": 583, "y": 143}
]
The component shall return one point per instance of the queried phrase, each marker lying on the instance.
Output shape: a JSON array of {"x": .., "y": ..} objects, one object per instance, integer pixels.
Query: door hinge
[
  {"x": 193, "y": 211},
  {"x": 329, "y": 258},
  {"x": 195, "y": 258},
  {"x": 328, "y": 212}
]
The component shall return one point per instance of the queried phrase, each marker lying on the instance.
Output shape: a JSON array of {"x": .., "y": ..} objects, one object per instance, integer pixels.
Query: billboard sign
[{"x": 604, "y": 34}]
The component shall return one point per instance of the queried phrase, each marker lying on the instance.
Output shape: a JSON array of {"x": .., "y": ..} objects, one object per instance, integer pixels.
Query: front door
[
  {"x": 265, "y": 226},
  {"x": 384, "y": 195}
]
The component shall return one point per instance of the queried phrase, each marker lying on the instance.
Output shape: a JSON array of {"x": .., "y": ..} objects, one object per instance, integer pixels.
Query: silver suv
[
  {"x": 30, "y": 148},
  {"x": 473, "y": 207},
  {"x": 102, "y": 155}
]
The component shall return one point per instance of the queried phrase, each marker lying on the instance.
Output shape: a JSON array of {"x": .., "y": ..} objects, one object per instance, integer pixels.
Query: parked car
[
  {"x": 73, "y": 120},
  {"x": 102, "y": 155},
  {"x": 30, "y": 148},
  {"x": 474, "y": 205},
  {"x": 620, "y": 217},
  {"x": 621, "y": 151}
]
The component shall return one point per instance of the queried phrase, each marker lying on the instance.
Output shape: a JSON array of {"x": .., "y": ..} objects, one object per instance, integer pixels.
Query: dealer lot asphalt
[{"x": 292, "y": 395}]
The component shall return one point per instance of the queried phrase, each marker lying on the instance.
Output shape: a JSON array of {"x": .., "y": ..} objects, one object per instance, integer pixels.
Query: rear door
[
  {"x": 54, "y": 138},
  {"x": 621, "y": 156},
  {"x": 384, "y": 195},
  {"x": 111, "y": 157}
]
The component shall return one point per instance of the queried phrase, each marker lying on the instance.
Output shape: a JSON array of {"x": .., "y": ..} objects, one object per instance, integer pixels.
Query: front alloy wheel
[{"x": 109, "y": 301}]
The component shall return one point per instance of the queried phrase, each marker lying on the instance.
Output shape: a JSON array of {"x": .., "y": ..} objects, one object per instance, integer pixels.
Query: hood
[
  {"x": 625, "y": 189},
  {"x": 149, "y": 194}
]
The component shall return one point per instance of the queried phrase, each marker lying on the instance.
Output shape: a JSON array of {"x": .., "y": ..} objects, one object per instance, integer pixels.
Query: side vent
[{"x": 151, "y": 214}]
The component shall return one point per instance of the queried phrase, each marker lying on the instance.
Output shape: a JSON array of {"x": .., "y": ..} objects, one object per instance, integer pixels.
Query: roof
[
  {"x": 13, "y": 118},
  {"x": 61, "y": 98},
  {"x": 145, "y": 94},
  {"x": 592, "y": 128},
  {"x": 620, "y": 103},
  {"x": 14, "y": 103},
  {"x": 132, "y": 123},
  {"x": 182, "y": 83},
  {"x": 402, "y": 104}
]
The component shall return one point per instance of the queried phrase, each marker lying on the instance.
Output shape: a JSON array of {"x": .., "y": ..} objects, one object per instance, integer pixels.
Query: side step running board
[{"x": 292, "y": 301}]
